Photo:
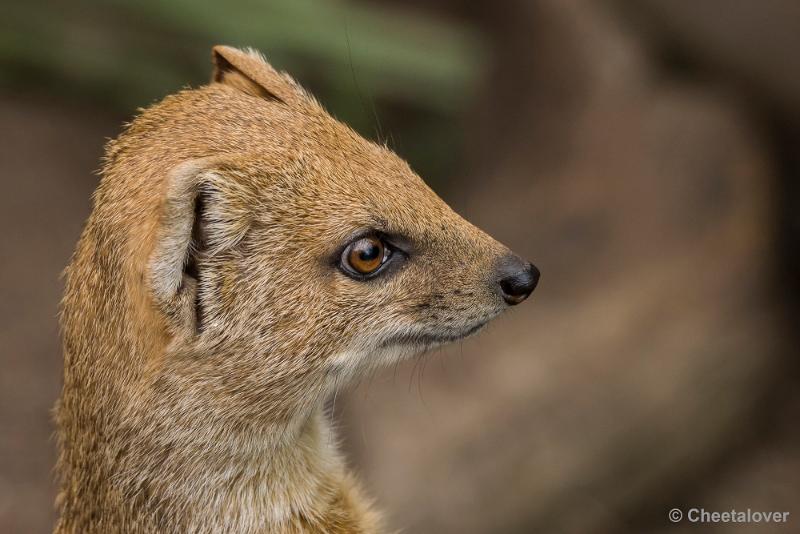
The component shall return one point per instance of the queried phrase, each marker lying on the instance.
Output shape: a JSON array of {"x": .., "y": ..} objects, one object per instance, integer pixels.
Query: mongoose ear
[
  {"x": 250, "y": 73},
  {"x": 199, "y": 220}
]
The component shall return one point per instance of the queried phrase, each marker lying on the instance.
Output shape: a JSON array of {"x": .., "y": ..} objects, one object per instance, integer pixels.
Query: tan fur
[{"x": 196, "y": 405}]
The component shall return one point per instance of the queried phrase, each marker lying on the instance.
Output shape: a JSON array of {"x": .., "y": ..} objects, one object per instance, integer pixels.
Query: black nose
[{"x": 516, "y": 278}]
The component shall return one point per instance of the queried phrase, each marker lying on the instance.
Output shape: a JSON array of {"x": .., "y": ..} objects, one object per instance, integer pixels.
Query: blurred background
[{"x": 644, "y": 154}]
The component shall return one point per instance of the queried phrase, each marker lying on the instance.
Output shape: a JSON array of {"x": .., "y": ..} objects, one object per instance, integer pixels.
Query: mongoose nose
[{"x": 517, "y": 279}]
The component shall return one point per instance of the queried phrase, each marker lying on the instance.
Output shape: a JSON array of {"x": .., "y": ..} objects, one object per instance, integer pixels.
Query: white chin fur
[
  {"x": 350, "y": 365},
  {"x": 359, "y": 361}
]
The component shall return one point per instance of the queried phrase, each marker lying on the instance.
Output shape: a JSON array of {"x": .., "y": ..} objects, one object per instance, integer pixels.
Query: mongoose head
[{"x": 255, "y": 253}]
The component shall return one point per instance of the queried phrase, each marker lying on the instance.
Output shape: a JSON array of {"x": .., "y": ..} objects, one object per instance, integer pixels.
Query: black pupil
[{"x": 369, "y": 251}]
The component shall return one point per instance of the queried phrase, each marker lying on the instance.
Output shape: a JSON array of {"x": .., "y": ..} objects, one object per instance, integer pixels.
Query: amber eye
[{"x": 364, "y": 256}]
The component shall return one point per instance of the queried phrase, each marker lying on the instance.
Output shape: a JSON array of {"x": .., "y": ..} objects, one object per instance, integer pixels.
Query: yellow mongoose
[{"x": 246, "y": 256}]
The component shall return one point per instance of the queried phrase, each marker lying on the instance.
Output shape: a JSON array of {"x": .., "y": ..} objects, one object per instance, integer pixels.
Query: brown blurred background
[{"x": 644, "y": 154}]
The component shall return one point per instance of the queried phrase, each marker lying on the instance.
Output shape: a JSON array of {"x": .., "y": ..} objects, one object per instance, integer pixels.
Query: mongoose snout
[
  {"x": 248, "y": 255},
  {"x": 516, "y": 279}
]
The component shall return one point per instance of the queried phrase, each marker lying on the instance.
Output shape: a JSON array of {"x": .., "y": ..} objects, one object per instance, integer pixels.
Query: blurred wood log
[{"x": 755, "y": 43}]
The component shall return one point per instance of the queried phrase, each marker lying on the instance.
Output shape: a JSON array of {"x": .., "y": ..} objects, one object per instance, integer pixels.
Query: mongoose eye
[{"x": 365, "y": 256}]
